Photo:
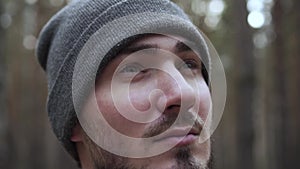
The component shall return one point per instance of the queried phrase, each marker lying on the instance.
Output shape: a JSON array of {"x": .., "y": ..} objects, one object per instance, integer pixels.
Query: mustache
[{"x": 165, "y": 121}]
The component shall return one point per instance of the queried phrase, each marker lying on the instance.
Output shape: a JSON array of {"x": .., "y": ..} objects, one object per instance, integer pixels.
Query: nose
[{"x": 178, "y": 92}]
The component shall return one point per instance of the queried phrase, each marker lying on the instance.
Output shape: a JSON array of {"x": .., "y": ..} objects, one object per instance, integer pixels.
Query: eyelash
[
  {"x": 186, "y": 67},
  {"x": 132, "y": 68},
  {"x": 191, "y": 64}
]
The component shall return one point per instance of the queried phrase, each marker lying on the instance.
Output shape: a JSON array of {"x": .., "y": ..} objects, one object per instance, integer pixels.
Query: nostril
[{"x": 173, "y": 107}]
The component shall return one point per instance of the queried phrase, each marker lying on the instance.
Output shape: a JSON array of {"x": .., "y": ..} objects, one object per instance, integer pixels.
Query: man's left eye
[{"x": 190, "y": 64}]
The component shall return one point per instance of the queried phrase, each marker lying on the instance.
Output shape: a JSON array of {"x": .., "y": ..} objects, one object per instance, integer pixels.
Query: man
[{"x": 128, "y": 86}]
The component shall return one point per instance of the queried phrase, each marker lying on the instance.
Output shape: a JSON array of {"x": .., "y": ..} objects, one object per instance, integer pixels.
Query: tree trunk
[
  {"x": 292, "y": 55},
  {"x": 244, "y": 85},
  {"x": 4, "y": 144},
  {"x": 276, "y": 110}
]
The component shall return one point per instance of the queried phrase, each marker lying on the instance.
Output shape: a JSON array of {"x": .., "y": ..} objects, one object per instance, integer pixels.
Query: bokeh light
[
  {"x": 268, "y": 18},
  {"x": 29, "y": 42},
  {"x": 216, "y": 7},
  {"x": 5, "y": 20},
  {"x": 256, "y": 19},
  {"x": 212, "y": 21},
  {"x": 260, "y": 40},
  {"x": 30, "y": 2},
  {"x": 255, "y": 5},
  {"x": 199, "y": 7}
]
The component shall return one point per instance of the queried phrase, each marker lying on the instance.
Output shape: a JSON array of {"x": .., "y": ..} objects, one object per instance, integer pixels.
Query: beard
[{"x": 103, "y": 159}]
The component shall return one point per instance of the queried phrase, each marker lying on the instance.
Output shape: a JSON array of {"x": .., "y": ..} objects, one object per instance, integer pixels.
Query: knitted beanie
[{"x": 66, "y": 34}]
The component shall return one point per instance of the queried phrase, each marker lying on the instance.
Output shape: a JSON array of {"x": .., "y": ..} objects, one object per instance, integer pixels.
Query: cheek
[
  {"x": 107, "y": 109},
  {"x": 140, "y": 97},
  {"x": 114, "y": 118},
  {"x": 140, "y": 101}
]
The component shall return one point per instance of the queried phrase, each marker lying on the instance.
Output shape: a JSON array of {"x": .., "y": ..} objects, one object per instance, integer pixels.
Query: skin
[{"x": 176, "y": 93}]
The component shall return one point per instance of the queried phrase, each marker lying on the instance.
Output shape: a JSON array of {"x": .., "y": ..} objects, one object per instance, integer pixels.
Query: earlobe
[{"x": 77, "y": 135}]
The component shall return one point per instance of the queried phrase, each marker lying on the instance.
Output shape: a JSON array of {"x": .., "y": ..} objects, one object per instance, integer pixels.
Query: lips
[{"x": 180, "y": 136}]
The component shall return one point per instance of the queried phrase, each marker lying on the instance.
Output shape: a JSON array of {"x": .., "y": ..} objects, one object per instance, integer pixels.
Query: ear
[
  {"x": 77, "y": 133},
  {"x": 82, "y": 149}
]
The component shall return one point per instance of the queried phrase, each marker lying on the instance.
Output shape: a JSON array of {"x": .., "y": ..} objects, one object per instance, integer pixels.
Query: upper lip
[{"x": 179, "y": 132}]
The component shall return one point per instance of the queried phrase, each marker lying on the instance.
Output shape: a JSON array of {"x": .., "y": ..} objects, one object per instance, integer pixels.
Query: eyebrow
[
  {"x": 179, "y": 47},
  {"x": 139, "y": 47}
]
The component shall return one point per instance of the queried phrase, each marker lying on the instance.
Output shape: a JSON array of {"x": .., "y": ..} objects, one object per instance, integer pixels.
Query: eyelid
[
  {"x": 122, "y": 69},
  {"x": 184, "y": 62}
]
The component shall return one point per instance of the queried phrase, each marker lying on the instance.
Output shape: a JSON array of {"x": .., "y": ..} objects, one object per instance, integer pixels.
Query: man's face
[{"x": 161, "y": 90}]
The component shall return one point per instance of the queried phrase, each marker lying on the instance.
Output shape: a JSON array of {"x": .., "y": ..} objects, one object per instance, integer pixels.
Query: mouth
[{"x": 180, "y": 136}]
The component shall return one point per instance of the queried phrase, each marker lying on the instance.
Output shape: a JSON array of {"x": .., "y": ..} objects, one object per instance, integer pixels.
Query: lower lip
[{"x": 182, "y": 141}]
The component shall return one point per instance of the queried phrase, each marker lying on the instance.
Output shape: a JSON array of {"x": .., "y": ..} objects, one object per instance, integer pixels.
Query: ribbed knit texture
[{"x": 65, "y": 35}]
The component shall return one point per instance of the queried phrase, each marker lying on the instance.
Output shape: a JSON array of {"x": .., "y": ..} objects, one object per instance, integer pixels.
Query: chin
[{"x": 194, "y": 156}]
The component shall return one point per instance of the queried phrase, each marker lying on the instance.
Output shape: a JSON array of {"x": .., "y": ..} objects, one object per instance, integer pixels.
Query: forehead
[{"x": 157, "y": 40}]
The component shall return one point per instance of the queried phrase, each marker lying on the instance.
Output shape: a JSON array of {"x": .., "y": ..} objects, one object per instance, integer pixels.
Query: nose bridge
[{"x": 175, "y": 87}]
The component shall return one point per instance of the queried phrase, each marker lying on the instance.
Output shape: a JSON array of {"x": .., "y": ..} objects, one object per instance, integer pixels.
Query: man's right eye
[
  {"x": 133, "y": 72},
  {"x": 133, "y": 68}
]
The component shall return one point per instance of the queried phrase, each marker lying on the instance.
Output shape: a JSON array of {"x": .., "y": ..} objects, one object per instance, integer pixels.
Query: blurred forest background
[{"x": 259, "y": 45}]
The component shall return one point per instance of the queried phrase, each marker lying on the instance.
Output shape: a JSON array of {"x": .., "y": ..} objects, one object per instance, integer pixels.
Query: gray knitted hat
[{"x": 114, "y": 21}]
